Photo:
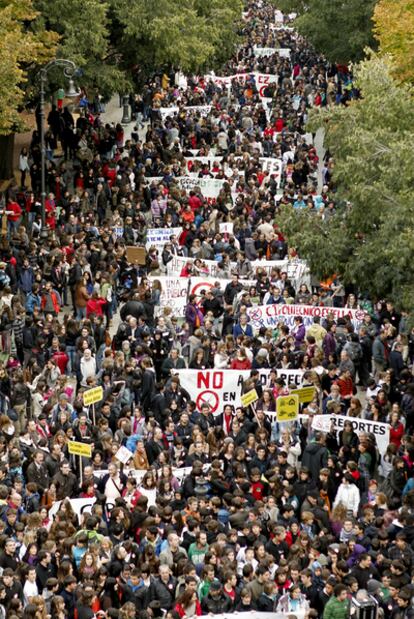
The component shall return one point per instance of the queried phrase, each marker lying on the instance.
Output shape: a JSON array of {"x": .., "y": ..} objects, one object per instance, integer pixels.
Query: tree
[
  {"x": 338, "y": 29},
  {"x": 394, "y": 29},
  {"x": 85, "y": 29},
  {"x": 369, "y": 242},
  {"x": 184, "y": 33},
  {"x": 20, "y": 51}
]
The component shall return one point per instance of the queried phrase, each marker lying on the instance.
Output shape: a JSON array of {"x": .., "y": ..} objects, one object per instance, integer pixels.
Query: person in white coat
[
  {"x": 87, "y": 366},
  {"x": 348, "y": 495}
]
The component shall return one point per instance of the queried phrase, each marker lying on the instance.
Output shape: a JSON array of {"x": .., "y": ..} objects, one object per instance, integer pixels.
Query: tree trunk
[{"x": 6, "y": 156}]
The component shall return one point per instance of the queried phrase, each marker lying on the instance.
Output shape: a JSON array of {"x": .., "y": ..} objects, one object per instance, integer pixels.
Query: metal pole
[
  {"x": 69, "y": 69},
  {"x": 42, "y": 144}
]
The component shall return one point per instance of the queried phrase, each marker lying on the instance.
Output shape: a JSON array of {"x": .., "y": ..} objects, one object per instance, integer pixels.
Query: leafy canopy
[
  {"x": 338, "y": 29},
  {"x": 20, "y": 51},
  {"x": 371, "y": 243},
  {"x": 394, "y": 29},
  {"x": 188, "y": 34},
  {"x": 85, "y": 29}
]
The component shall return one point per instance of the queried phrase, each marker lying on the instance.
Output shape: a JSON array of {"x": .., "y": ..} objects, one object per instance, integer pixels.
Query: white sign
[
  {"x": 176, "y": 267},
  {"x": 203, "y": 110},
  {"x": 160, "y": 236},
  {"x": 271, "y": 315},
  {"x": 198, "y": 284},
  {"x": 381, "y": 431},
  {"x": 272, "y": 167},
  {"x": 262, "y": 82},
  {"x": 173, "y": 294},
  {"x": 226, "y": 227},
  {"x": 220, "y": 387},
  {"x": 284, "y": 52},
  {"x": 79, "y": 506},
  {"x": 168, "y": 111},
  {"x": 226, "y": 81},
  {"x": 202, "y": 161},
  {"x": 209, "y": 187},
  {"x": 123, "y": 455},
  {"x": 259, "y": 52},
  {"x": 295, "y": 269}
]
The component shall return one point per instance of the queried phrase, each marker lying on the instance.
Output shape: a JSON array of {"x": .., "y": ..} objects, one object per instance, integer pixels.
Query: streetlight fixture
[{"x": 69, "y": 69}]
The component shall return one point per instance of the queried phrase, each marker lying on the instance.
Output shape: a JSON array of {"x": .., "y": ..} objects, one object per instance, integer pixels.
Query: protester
[{"x": 134, "y": 479}]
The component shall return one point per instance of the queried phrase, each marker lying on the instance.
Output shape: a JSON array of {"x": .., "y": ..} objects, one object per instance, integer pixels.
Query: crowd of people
[{"x": 180, "y": 512}]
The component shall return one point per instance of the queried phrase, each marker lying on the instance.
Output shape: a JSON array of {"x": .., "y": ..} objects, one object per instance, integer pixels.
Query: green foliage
[
  {"x": 339, "y": 30},
  {"x": 370, "y": 243},
  {"x": 20, "y": 50},
  {"x": 184, "y": 33},
  {"x": 84, "y": 29}
]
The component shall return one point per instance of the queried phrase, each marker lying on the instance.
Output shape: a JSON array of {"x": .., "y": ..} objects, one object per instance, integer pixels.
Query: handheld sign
[
  {"x": 249, "y": 397},
  {"x": 77, "y": 448},
  {"x": 92, "y": 396},
  {"x": 287, "y": 407},
  {"x": 124, "y": 455},
  {"x": 306, "y": 394}
]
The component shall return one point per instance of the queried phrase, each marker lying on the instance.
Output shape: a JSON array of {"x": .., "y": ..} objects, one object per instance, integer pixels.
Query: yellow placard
[
  {"x": 249, "y": 397},
  {"x": 306, "y": 394},
  {"x": 287, "y": 407},
  {"x": 92, "y": 396},
  {"x": 76, "y": 448}
]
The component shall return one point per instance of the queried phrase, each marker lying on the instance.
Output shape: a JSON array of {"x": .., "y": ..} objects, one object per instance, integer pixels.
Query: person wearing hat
[{"x": 216, "y": 602}]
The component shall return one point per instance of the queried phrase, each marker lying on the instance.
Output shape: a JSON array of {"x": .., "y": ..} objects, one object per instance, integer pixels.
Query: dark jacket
[
  {"x": 216, "y": 604},
  {"x": 315, "y": 457},
  {"x": 164, "y": 593},
  {"x": 39, "y": 475},
  {"x": 66, "y": 485}
]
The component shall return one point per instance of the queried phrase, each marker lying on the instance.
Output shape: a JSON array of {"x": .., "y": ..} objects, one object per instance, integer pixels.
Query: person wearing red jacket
[
  {"x": 14, "y": 217},
  {"x": 95, "y": 305},
  {"x": 241, "y": 362},
  {"x": 61, "y": 358}
]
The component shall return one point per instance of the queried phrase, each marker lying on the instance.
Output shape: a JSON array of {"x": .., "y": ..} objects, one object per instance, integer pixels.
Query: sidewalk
[{"x": 113, "y": 114}]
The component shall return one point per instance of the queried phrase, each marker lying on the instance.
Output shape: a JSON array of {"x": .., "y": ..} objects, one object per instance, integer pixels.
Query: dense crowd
[{"x": 183, "y": 510}]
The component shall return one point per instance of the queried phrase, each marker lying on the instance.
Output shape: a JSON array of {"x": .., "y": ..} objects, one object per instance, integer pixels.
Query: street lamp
[{"x": 69, "y": 69}]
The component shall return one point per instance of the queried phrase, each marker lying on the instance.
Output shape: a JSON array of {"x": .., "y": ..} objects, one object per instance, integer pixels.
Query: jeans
[
  {"x": 71, "y": 352},
  {"x": 80, "y": 313}
]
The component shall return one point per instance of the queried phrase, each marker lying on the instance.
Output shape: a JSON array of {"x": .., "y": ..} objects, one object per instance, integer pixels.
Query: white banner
[
  {"x": 295, "y": 269},
  {"x": 226, "y": 227},
  {"x": 272, "y": 167},
  {"x": 176, "y": 266},
  {"x": 381, "y": 431},
  {"x": 271, "y": 315},
  {"x": 198, "y": 284},
  {"x": 173, "y": 294},
  {"x": 168, "y": 111},
  {"x": 284, "y": 52},
  {"x": 259, "y": 52},
  {"x": 225, "y": 81},
  {"x": 210, "y": 187},
  {"x": 220, "y": 387},
  {"x": 79, "y": 506},
  {"x": 160, "y": 236},
  {"x": 203, "y": 110},
  {"x": 263, "y": 80}
]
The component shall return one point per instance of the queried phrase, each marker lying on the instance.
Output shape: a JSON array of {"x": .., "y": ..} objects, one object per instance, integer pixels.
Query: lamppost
[{"x": 69, "y": 69}]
